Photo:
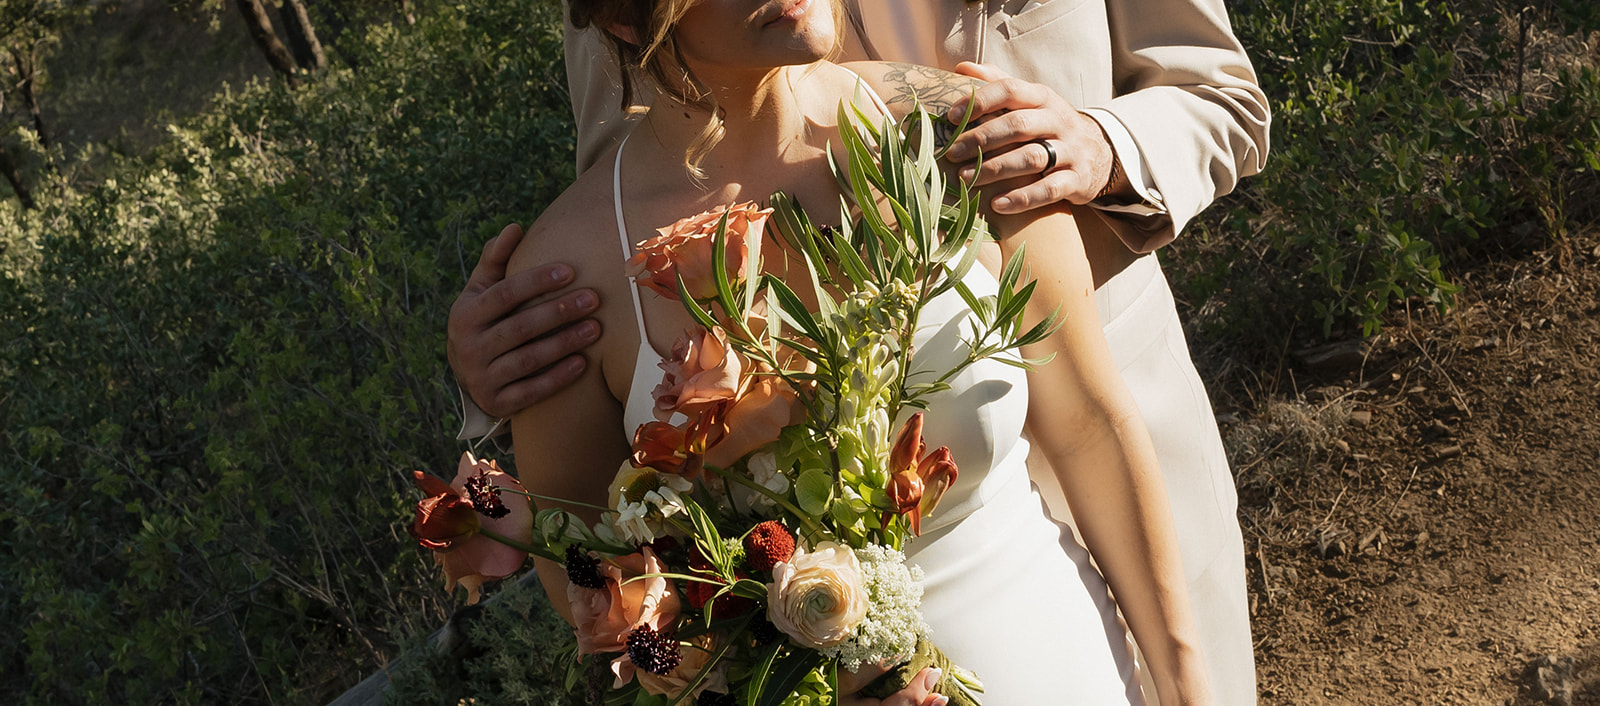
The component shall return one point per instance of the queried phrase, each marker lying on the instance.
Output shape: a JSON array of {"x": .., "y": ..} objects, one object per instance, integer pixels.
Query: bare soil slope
[{"x": 1422, "y": 521}]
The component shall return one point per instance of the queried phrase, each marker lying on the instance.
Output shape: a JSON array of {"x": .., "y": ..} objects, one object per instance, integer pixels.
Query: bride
[{"x": 747, "y": 107}]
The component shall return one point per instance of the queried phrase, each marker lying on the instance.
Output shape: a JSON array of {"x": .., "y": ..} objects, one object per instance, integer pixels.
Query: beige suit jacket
[{"x": 1171, "y": 71}]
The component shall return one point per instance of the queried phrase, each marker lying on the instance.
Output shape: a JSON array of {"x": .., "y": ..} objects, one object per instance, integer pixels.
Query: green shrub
[
  {"x": 1410, "y": 139},
  {"x": 217, "y": 363}
]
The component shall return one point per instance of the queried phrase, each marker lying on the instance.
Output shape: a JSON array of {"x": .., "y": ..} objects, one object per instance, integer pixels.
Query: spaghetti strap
[
  {"x": 622, "y": 235},
  {"x": 639, "y": 407}
]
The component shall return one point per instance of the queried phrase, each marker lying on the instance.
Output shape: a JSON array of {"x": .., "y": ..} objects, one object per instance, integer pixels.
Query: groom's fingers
[
  {"x": 526, "y": 392},
  {"x": 491, "y": 267},
  {"x": 918, "y": 693},
  {"x": 508, "y": 357},
  {"x": 1055, "y": 187}
]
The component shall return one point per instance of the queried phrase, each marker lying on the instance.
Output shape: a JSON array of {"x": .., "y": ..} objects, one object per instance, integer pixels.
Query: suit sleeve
[
  {"x": 1188, "y": 95},
  {"x": 594, "y": 82}
]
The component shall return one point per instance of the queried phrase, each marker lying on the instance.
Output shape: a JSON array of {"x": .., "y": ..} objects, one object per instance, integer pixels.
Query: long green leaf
[
  {"x": 700, "y": 315},
  {"x": 850, "y": 261},
  {"x": 793, "y": 309},
  {"x": 787, "y": 674},
  {"x": 719, "y": 269},
  {"x": 1042, "y": 330},
  {"x": 758, "y": 677}
]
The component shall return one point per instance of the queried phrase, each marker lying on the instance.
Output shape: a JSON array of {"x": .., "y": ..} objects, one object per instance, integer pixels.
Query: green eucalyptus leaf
[{"x": 813, "y": 490}]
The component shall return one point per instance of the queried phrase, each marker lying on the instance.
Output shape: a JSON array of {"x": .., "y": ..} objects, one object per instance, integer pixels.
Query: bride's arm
[
  {"x": 570, "y": 445},
  {"x": 1086, "y": 423}
]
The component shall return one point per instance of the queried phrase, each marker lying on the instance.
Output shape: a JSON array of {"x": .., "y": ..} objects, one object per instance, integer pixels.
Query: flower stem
[
  {"x": 542, "y": 552},
  {"x": 536, "y": 496}
]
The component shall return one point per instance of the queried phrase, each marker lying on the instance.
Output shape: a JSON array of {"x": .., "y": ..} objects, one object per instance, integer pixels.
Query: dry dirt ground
[{"x": 1422, "y": 516}]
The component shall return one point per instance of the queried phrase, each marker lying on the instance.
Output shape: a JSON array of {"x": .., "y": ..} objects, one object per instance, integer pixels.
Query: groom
[{"x": 1143, "y": 111}]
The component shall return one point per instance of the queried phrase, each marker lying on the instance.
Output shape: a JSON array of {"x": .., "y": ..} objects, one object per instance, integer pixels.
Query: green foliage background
[
  {"x": 217, "y": 362},
  {"x": 1411, "y": 139},
  {"x": 219, "y": 357}
]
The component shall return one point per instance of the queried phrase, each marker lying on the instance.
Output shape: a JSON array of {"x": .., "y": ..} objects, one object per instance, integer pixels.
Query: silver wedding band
[{"x": 1049, "y": 151}]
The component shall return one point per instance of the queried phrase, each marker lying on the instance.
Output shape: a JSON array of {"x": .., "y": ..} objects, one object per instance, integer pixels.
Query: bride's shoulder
[
  {"x": 903, "y": 86},
  {"x": 578, "y": 225}
]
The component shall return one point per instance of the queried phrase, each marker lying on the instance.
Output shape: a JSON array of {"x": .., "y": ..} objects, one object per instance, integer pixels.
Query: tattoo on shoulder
[{"x": 935, "y": 89}]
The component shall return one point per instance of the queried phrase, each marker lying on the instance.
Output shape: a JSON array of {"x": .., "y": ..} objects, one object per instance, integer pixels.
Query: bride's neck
[{"x": 762, "y": 117}]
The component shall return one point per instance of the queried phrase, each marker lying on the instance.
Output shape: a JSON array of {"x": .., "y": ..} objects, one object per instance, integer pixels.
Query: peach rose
[
  {"x": 766, "y": 404},
  {"x": 816, "y": 597},
  {"x": 696, "y": 655},
  {"x": 684, "y": 249},
  {"x": 702, "y": 370},
  {"x": 605, "y": 616}
]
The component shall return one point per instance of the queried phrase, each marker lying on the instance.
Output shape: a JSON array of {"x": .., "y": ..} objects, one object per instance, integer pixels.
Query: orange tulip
[
  {"x": 938, "y": 472},
  {"x": 908, "y": 446},
  {"x": 918, "y": 482},
  {"x": 449, "y": 524}
]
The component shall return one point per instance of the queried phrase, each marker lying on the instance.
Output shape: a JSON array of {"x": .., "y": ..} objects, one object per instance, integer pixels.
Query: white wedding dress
[{"x": 1010, "y": 594}]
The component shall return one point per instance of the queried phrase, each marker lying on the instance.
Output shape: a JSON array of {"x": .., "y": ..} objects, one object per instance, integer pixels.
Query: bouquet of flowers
[{"x": 751, "y": 546}]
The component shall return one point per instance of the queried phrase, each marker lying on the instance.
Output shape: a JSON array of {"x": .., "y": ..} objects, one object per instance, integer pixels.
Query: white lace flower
[{"x": 888, "y": 634}]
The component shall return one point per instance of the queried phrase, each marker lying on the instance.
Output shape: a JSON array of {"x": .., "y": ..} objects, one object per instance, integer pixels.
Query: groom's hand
[
  {"x": 918, "y": 693},
  {"x": 1009, "y": 117},
  {"x": 507, "y": 357}
]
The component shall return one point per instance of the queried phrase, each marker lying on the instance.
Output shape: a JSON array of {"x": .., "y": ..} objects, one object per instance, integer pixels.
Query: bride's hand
[{"x": 918, "y": 693}]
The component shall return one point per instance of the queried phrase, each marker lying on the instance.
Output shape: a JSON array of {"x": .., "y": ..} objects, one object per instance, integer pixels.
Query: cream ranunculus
[{"x": 816, "y": 598}]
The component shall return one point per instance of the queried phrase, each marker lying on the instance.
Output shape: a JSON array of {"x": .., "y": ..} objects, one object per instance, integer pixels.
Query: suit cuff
[
  {"x": 477, "y": 424},
  {"x": 1133, "y": 163}
]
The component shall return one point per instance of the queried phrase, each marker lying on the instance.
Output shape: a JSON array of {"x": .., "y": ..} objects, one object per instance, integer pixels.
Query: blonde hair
[{"x": 657, "y": 57}]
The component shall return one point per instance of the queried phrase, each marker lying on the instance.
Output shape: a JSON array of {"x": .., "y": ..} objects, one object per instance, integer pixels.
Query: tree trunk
[
  {"x": 260, "y": 26},
  {"x": 27, "y": 68},
  {"x": 302, "y": 36},
  {"x": 10, "y": 170}
]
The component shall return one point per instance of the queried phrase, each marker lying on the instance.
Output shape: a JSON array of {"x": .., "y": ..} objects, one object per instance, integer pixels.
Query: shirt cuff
[
  {"x": 477, "y": 424},
  {"x": 1133, "y": 165}
]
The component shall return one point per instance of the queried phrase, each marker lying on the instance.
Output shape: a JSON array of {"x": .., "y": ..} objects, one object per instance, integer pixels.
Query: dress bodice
[{"x": 980, "y": 417}]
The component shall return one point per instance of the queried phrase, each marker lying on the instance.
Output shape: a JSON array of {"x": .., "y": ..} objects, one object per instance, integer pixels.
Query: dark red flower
[{"x": 767, "y": 544}]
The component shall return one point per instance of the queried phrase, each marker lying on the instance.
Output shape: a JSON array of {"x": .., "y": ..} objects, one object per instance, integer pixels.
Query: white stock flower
[
  {"x": 639, "y": 512},
  {"x": 764, "y": 471}
]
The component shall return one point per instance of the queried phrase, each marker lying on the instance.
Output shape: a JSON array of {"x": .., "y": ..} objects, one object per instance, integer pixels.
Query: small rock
[
  {"x": 1361, "y": 417},
  {"x": 1329, "y": 544},
  {"x": 1449, "y": 452},
  {"x": 1550, "y": 680},
  {"x": 1342, "y": 446},
  {"x": 1340, "y": 355},
  {"x": 1374, "y": 539}
]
